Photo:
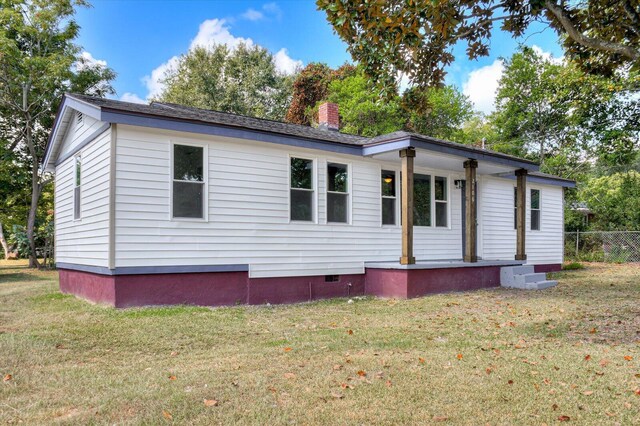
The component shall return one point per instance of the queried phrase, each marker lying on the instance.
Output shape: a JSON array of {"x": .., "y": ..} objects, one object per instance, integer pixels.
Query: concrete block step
[
  {"x": 521, "y": 280},
  {"x": 508, "y": 273},
  {"x": 541, "y": 285}
]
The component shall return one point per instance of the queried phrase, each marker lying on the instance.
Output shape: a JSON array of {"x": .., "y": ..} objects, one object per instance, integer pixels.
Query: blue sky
[{"x": 141, "y": 39}]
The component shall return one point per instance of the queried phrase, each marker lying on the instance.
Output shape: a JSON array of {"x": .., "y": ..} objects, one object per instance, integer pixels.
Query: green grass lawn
[{"x": 496, "y": 357}]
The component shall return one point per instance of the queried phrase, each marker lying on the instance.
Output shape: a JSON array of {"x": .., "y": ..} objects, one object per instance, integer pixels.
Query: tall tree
[
  {"x": 416, "y": 37},
  {"x": 362, "y": 111},
  {"x": 310, "y": 87},
  {"x": 437, "y": 111},
  {"x": 39, "y": 61},
  {"x": 550, "y": 109},
  {"x": 615, "y": 201},
  {"x": 243, "y": 81}
]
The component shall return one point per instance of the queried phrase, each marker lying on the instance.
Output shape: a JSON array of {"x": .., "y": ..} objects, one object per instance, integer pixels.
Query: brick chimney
[{"x": 328, "y": 118}]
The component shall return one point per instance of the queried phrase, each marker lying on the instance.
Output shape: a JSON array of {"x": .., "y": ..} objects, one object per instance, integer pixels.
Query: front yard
[{"x": 571, "y": 353}]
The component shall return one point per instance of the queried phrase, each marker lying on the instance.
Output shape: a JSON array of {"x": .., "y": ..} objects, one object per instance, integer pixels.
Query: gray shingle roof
[{"x": 181, "y": 112}]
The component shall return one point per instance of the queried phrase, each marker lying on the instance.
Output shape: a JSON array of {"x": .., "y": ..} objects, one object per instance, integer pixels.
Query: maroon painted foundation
[
  {"x": 204, "y": 289},
  {"x": 235, "y": 288},
  {"x": 554, "y": 267},
  {"x": 409, "y": 283}
]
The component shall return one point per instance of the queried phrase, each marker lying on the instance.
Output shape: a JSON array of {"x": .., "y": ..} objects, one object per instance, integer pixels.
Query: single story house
[{"x": 167, "y": 204}]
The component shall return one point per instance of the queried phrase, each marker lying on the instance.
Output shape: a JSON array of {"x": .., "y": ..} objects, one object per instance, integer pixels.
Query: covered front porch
[
  {"x": 414, "y": 151},
  {"x": 413, "y": 276}
]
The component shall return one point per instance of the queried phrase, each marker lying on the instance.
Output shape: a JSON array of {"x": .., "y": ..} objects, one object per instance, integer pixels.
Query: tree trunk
[
  {"x": 33, "y": 209},
  {"x": 3, "y": 242}
]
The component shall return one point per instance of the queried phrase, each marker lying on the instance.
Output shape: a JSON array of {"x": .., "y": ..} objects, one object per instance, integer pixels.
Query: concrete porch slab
[{"x": 442, "y": 264}]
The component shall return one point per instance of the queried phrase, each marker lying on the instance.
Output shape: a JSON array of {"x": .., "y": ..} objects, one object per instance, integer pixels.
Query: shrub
[{"x": 572, "y": 266}]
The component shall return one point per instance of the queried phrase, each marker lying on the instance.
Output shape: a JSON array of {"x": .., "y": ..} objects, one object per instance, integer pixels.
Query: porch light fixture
[{"x": 388, "y": 180}]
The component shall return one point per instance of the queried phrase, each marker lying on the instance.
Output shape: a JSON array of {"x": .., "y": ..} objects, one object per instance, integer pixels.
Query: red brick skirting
[{"x": 233, "y": 288}]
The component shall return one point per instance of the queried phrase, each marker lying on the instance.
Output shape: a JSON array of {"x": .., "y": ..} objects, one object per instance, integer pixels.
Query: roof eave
[
  {"x": 68, "y": 102},
  {"x": 406, "y": 141}
]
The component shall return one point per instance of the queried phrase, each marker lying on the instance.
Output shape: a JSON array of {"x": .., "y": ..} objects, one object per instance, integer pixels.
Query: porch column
[
  {"x": 521, "y": 213},
  {"x": 407, "y": 155},
  {"x": 471, "y": 237}
]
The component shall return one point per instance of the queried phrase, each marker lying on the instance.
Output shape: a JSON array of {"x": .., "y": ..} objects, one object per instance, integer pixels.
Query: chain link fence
[{"x": 602, "y": 246}]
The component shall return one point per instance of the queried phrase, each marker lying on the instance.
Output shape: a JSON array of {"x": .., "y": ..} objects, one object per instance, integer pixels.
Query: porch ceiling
[{"x": 440, "y": 161}]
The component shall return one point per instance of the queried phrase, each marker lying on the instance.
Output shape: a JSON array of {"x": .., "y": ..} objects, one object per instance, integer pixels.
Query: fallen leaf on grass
[
  {"x": 337, "y": 367},
  {"x": 610, "y": 414},
  {"x": 350, "y": 332},
  {"x": 637, "y": 391},
  {"x": 593, "y": 330},
  {"x": 362, "y": 373},
  {"x": 489, "y": 370},
  {"x": 388, "y": 383},
  {"x": 346, "y": 386},
  {"x": 7, "y": 377},
  {"x": 337, "y": 395},
  {"x": 554, "y": 407},
  {"x": 440, "y": 418},
  {"x": 287, "y": 349},
  {"x": 172, "y": 377},
  {"x": 564, "y": 418},
  {"x": 167, "y": 415},
  {"x": 587, "y": 357},
  {"x": 510, "y": 382},
  {"x": 421, "y": 360},
  {"x": 604, "y": 362},
  {"x": 210, "y": 403},
  {"x": 459, "y": 356},
  {"x": 587, "y": 393},
  {"x": 628, "y": 358},
  {"x": 289, "y": 376}
]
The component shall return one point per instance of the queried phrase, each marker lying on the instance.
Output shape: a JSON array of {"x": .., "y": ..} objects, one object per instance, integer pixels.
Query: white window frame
[
  {"x": 432, "y": 174},
  {"x": 447, "y": 201},
  {"x": 539, "y": 209},
  {"x": 314, "y": 188},
  {"x": 205, "y": 181},
  {"x": 515, "y": 207},
  {"x": 349, "y": 191},
  {"x": 396, "y": 198},
  {"x": 77, "y": 195}
]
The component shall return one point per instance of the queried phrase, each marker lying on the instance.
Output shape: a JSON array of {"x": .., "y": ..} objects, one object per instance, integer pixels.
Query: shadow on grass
[{"x": 20, "y": 276}]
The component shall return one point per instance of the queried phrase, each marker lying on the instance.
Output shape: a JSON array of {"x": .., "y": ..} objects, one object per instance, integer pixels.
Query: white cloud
[
  {"x": 87, "y": 59},
  {"x": 253, "y": 15},
  {"x": 547, "y": 56},
  {"x": 273, "y": 9},
  {"x": 285, "y": 63},
  {"x": 133, "y": 98},
  {"x": 154, "y": 82},
  {"x": 213, "y": 32},
  {"x": 481, "y": 86}
]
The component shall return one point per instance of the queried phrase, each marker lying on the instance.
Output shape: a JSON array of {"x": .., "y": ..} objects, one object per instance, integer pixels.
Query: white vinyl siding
[
  {"x": 496, "y": 217},
  {"x": 78, "y": 132},
  {"x": 84, "y": 241},
  {"x": 249, "y": 217}
]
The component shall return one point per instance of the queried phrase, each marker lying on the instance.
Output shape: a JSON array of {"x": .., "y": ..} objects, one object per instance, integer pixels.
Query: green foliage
[
  {"x": 438, "y": 112},
  {"x": 19, "y": 236},
  {"x": 362, "y": 112},
  {"x": 416, "y": 37},
  {"x": 550, "y": 110},
  {"x": 572, "y": 266},
  {"x": 241, "y": 81},
  {"x": 310, "y": 87},
  {"x": 615, "y": 201},
  {"x": 39, "y": 62}
]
